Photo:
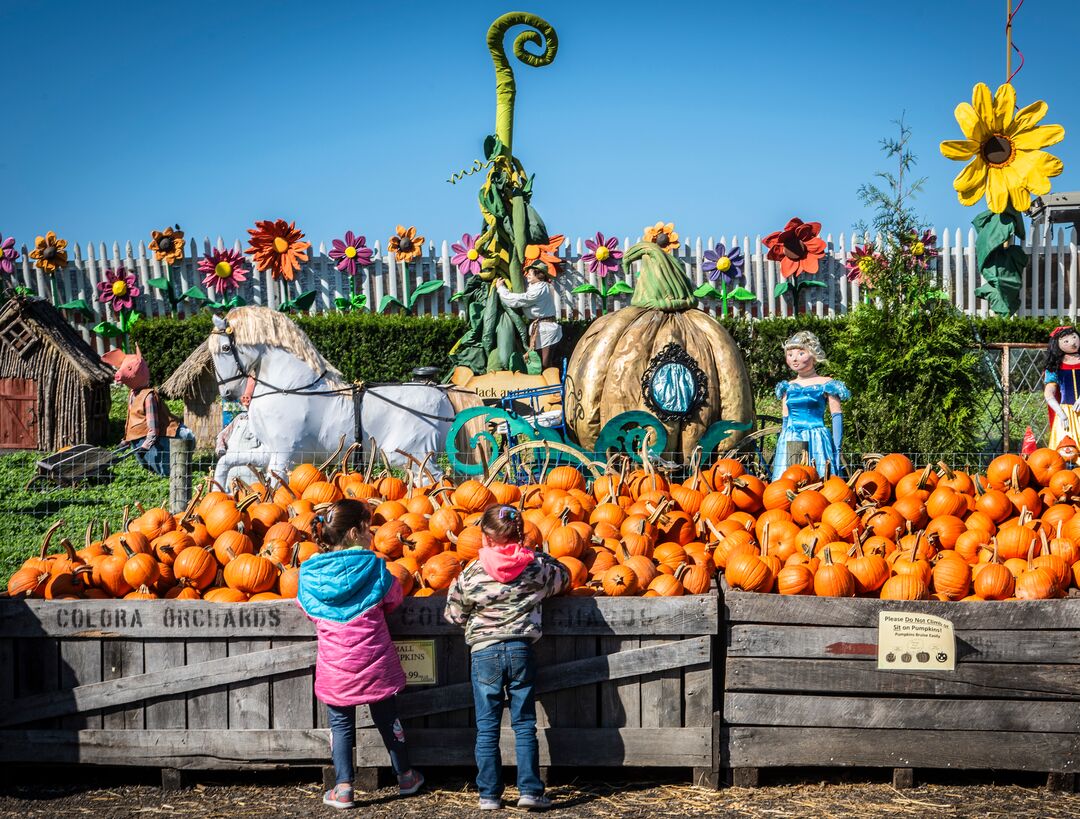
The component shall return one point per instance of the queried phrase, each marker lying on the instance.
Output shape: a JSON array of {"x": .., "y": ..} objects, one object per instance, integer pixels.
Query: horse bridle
[{"x": 241, "y": 373}]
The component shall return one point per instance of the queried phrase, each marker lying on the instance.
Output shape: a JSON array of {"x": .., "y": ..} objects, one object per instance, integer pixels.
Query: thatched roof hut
[
  {"x": 194, "y": 382},
  {"x": 54, "y": 389}
]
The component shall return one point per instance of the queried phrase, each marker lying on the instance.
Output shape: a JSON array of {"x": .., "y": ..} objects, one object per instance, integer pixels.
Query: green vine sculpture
[{"x": 498, "y": 336}]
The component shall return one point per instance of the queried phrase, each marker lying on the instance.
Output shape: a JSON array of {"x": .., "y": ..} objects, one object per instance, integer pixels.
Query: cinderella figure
[{"x": 804, "y": 400}]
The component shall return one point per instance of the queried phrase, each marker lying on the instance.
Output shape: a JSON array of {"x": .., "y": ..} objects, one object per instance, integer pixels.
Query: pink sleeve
[{"x": 393, "y": 597}]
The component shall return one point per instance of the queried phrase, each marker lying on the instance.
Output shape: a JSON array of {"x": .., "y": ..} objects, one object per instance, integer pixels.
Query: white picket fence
[{"x": 1050, "y": 285}]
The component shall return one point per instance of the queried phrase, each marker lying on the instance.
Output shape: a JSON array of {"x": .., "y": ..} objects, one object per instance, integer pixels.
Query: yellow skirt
[{"x": 1057, "y": 433}]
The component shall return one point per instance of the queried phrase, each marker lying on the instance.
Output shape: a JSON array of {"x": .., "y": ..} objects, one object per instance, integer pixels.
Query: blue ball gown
[{"x": 805, "y": 422}]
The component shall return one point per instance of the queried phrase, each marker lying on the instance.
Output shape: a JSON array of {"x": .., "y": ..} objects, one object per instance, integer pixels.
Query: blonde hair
[{"x": 805, "y": 340}]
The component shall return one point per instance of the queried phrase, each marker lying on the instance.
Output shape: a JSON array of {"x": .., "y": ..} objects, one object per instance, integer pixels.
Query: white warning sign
[{"x": 908, "y": 641}]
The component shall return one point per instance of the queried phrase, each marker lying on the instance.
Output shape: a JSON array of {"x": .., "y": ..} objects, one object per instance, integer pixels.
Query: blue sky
[{"x": 121, "y": 117}]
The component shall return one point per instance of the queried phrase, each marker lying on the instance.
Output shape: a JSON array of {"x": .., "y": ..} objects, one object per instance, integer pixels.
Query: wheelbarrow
[{"x": 79, "y": 463}]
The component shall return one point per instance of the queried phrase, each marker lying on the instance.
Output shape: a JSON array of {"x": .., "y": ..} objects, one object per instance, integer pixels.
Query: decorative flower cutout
[
  {"x": 168, "y": 244},
  {"x": 921, "y": 249},
  {"x": 545, "y": 254},
  {"x": 1004, "y": 146},
  {"x": 8, "y": 255},
  {"x": 723, "y": 263},
  {"x": 862, "y": 263},
  {"x": 664, "y": 235},
  {"x": 223, "y": 270},
  {"x": 467, "y": 256},
  {"x": 277, "y": 246},
  {"x": 50, "y": 253},
  {"x": 603, "y": 256},
  {"x": 351, "y": 253},
  {"x": 405, "y": 244},
  {"x": 797, "y": 247},
  {"x": 118, "y": 290}
]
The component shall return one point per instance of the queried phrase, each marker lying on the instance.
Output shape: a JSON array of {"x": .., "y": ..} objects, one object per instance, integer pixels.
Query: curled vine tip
[{"x": 541, "y": 34}]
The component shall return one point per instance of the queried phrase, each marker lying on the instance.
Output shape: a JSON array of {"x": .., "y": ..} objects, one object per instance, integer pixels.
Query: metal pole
[
  {"x": 1006, "y": 395},
  {"x": 1008, "y": 39}
]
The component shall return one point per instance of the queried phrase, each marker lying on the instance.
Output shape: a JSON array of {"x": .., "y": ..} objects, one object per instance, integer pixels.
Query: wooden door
[{"x": 18, "y": 413}]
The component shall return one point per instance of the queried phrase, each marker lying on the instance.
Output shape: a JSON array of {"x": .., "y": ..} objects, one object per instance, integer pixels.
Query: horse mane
[{"x": 261, "y": 325}]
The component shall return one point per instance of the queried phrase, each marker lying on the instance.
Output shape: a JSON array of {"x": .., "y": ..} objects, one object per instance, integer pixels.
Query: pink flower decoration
[
  {"x": 352, "y": 253},
  {"x": 8, "y": 255},
  {"x": 603, "y": 256},
  {"x": 223, "y": 270},
  {"x": 119, "y": 289},
  {"x": 467, "y": 256}
]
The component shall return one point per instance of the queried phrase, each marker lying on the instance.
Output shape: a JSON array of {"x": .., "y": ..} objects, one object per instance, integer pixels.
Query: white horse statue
[{"x": 302, "y": 407}]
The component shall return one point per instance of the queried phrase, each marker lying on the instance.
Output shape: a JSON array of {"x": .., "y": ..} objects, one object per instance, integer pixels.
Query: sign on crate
[
  {"x": 418, "y": 659},
  {"x": 908, "y": 641}
]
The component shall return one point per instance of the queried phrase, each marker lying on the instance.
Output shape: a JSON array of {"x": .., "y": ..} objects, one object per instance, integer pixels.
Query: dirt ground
[{"x": 37, "y": 793}]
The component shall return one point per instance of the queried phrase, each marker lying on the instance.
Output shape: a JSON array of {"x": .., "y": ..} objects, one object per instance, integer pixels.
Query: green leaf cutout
[
  {"x": 708, "y": 291},
  {"x": 423, "y": 289},
  {"x": 742, "y": 294},
  {"x": 780, "y": 289},
  {"x": 620, "y": 289},
  {"x": 159, "y": 283},
  {"x": 387, "y": 301},
  {"x": 108, "y": 330},
  {"x": 196, "y": 293},
  {"x": 586, "y": 288}
]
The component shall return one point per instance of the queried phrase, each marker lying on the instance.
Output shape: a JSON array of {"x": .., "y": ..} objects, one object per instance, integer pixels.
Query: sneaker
[
  {"x": 410, "y": 782},
  {"x": 490, "y": 804},
  {"x": 532, "y": 802},
  {"x": 340, "y": 797}
]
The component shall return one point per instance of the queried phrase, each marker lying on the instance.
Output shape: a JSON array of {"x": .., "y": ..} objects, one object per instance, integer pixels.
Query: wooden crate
[
  {"x": 190, "y": 685},
  {"x": 802, "y": 688}
]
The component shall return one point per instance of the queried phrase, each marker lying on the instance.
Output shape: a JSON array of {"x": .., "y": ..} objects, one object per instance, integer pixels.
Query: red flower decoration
[{"x": 797, "y": 247}]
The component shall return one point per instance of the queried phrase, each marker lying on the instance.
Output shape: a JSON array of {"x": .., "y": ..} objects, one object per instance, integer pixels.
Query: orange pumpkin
[{"x": 620, "y": 581}]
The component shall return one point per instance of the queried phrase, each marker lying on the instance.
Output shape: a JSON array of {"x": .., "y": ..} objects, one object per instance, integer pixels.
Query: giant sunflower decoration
[
  {"x": 405, "y": 244},
  {"x": 1003, "y": 149},
  {"x": 168, "y": 245},
  {"x": 278, "y": 246},
  {"x": 49, "y": 253}
]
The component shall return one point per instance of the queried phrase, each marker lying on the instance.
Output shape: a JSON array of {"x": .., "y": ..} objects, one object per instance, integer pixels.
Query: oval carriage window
[{"x": 673, "y": 386}]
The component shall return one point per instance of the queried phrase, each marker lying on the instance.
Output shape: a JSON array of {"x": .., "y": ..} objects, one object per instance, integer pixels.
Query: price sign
[
  {"x": 418, "y": 659},
  {"x": 908, "y": 641}
]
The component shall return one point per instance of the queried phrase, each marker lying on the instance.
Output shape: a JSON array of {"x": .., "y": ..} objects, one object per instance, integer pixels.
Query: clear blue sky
[{"x": 124, "y": 116}]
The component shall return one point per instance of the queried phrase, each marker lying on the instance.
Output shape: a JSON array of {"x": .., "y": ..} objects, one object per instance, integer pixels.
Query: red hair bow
[{"x": 1059, "y": 330}]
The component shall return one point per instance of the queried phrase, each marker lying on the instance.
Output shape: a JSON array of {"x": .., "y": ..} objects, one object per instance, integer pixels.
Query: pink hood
[{"x": 506, "y": 561}]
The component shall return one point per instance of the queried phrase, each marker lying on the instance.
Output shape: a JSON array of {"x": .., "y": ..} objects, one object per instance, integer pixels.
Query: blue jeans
[
  {"x": 508, "y": 666},
  {"x": 156, "y": 458},
  {"x": 343, "y": 736}
]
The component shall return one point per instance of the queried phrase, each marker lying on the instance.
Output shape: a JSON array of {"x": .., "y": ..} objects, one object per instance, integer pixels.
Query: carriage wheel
[
  {"x": 756, "y": 451},
  {"x": 511, "y": 460}
]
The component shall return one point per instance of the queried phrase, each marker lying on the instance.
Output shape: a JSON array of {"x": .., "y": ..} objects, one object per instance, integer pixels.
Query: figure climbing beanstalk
[{"x": 513, "y": 234}]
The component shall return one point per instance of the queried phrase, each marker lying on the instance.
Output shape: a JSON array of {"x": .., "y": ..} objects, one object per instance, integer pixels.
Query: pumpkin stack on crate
[{"x": 897, "y": 533}]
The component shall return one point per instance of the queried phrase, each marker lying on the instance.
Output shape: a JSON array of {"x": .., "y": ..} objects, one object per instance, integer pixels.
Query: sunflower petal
[
  {"x": 1004, "y": 106},
  {"x": 997, "y": 190},
  {"x": 969, "y": 122},
  {"x": 983, "y": 103},
  {"x": 970, "y": 183},
  {"x": 960, "y": 149},
  {"x": 1028, "y": 117},
  {"x": 1036, "y": 168},
  {"x": 1041, "y": 136}
]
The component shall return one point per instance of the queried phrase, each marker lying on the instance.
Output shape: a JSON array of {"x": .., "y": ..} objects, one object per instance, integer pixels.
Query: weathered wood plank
[
  {"x": 768, "y": 747},
  {"x": 80, "y": 664},
  {"x": 204, "y": 709},
  {"x": 747, "y": 607},
  {"x": 621, "y": 665},
  {"x": 661, "y": 695},
  {"x": 170, "y": 709},
  {"x": 291, "y": 692},
  {"x": 7, "y": 668},
  {"x": 587, "y": 701},
  {"x": 605, "y": 747},
  {"x": 821, "y": 642},
  {"x": 121, "y": 658},
  {"x": 902, "y": 713},
  {"x": 249, "y": 704},
  {"x": 37, "y": 669},
  {"x": 151, "y": 619},
  {"x": 171, "y": 681},
  {"x": 545, "y": 703},
  {"x": 1000, "y": 680},
  {"x": 213, "y": 749}
]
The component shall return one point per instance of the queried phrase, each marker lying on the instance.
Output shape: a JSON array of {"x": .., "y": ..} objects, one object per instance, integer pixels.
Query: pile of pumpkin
[
  {"x": 628, "y": 534},
  {"x": 898, "y": 533}
]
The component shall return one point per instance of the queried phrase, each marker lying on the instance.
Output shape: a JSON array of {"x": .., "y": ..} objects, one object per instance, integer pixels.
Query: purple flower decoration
[
  {"x": 723, "y": 263},
  {"x": 922, "y": 248},
  {"x": 119, "y": 289},
  {"x": 603, "y": 256},
  {"x": 467, "y": 257},
  {"x": 8, "y": 254},
  {"x": 351, "y": 254},
  {"x": 223, "y": 270}
]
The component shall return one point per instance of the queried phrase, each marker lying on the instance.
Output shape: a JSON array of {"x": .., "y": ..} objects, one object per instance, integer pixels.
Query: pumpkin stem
[
  {"x": 334, "y": 457},
  {"x": 70, "y": 550},
  {"x": 946, "y": 471},
  {"x": 661, "y": 282},
  {"x": 344, "y": 468},
  {"x": 48, "y": 537},
  {"x": 139, "y": 506},
  {"x": 127, "y": 549},
  {"x": 90, "y": 535}
]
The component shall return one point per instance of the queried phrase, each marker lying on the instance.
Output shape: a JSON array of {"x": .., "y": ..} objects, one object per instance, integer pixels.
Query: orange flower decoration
[
  {"x": 168, "y": 244},
  {"x": 664, "y": 235},
  {"x": 797, "y": 247},
  {"x": 405, "y": 244},
  {"x": 277, "y": 247},
  {"x": 545, "y": 254},
  {"x": 49, "y": 252}
]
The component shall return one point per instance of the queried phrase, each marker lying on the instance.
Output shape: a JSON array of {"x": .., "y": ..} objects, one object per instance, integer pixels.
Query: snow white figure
[
  {"x": 1061, "y": 384},
  {"x": 804, "y": 400}
]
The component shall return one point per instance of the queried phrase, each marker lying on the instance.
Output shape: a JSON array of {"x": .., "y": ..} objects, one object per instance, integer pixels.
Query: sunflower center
[
  {"x": 280, "y": 245},
  {"x": 472, "y": 255},
  {"x": 119, "y": 287},
  {"x": 918, "y": 249},
  {"x": 866, "y": 264},
  {"x": 406, "y": 244},
  {"x": 165, "y": 244},
  {"x": 998, "y": 151},
  {"x": 350, "y": 252},
  {"x": 662, "y": 239},
  {"x": 723, "y": 264},
  {"x": 223, "y": 270},
  {"x": 49, "y": 252},
  {"x": 602, "y": 253}
]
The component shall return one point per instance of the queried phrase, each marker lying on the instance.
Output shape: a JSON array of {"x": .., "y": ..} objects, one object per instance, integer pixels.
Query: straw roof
[
  {"x": 194, "y": 379},
  {"x": 46, "y": 323}
]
